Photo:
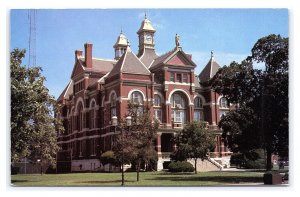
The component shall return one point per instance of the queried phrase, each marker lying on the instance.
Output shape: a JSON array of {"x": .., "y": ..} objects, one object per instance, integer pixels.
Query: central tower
[{"x": 146, "y": 36}]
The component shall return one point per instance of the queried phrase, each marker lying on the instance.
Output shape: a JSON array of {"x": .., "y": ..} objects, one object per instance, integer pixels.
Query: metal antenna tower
[{"x": 32, "y": 37}]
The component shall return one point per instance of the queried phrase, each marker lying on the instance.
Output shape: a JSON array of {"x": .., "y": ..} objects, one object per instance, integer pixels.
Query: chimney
[
  {"x": 78, "y": 53},
  {"x": 88, "y": 54}
]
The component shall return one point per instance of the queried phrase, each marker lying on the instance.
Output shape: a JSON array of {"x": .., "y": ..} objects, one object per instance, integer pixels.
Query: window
[
  {"x": 198, "y": 110},
  {"x": 78, "y": 86},
  {"x": 137, "y": 98},
  {"x": 198, "y": 103},
  {"x": 178, "y": 117},
  {"x": 157, "y": 100},
  {"x": 93, "y": 115},
  {"x": 172, "y": 77},
  {"x": 185, "y": 78},
  {"x": 80, "y": 117},
  {"x": 80, "y": 148},
  {"x": 73, "y": 147},
  {"x": 113, "y": 104},
  {"x": 178, "y": 77},
  {"x": 93, "y": 147},
  {"x": 178, "y": 101},
  {"x": 158, "y": 115},
  {"x": 223, "y": 103},
  {"x": 198, "y": 115},
  {"x": 157, "y": 108},
  {"x": 178, "y": 107},
  {"x": 222, "y": 113}
]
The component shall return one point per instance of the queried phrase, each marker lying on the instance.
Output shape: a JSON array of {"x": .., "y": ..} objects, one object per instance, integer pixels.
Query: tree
[
  {"x": 262, "y": 96},
  {"x": 34, "y": 126},
  {"x": 194, "y": 141},
  {"x": 138, "y": 139},
  {"x": 108, "y": 157}
]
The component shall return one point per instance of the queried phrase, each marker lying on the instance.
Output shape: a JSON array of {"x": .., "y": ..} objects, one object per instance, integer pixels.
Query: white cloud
[{"x": 159, "y": 23}]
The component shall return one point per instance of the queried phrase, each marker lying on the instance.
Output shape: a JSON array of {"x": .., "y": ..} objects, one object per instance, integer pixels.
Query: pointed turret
[
  {"x": 209, "y": 70},
  {"x": 120, "y": 46}
]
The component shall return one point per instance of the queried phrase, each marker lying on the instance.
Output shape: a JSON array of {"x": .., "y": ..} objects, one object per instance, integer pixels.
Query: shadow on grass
[
  {"x": 220, "y": 179},
  {"x": 99, "y": 182},
  {"x": 19, "y": 181}
]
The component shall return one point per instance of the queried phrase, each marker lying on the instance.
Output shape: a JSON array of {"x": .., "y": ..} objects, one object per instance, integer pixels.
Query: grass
[{"x": 146, "y": 179}]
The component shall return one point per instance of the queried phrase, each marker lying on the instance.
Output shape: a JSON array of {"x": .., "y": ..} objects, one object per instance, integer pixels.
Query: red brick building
[{"x": 100, "y": 88}]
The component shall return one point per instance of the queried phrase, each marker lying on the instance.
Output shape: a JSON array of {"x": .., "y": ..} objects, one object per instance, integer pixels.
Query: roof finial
[
  {"x": 177, "y": 40},
  {"x": 212, "y": 54},
  {"x": 121, "y": 29},
  {"x": 128, "y": 43},
  {"x": 145, "y": 14}
]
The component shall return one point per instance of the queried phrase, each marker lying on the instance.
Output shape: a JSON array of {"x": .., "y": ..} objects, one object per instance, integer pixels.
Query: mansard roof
[
  {"x": 129, "y": 63},
  {"x": 209, "y": 70},
  {"x": 148, "y": 57}
]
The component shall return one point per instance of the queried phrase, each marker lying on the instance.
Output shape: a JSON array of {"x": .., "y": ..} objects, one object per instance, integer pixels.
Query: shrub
[
  {"x": 14, "y": 170},
  {"x": 180, "y": 166},
  {"x": 51, "y": 170},
  {"x": 166, "y": 164},
  {"x": 237, "y": 159},
  {"x": 257, "y": 164}
]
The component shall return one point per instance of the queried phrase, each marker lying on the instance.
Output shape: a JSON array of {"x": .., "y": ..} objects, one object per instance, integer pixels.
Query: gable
[
  {"x": 178, "y": 60},
  {"x": 78, "y": 69}
]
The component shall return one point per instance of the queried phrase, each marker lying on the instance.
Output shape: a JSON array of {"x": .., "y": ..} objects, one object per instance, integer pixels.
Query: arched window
[
  {"x": 198, "y": 109},
  {"x": 93, "y": 115},
  {"x": 157, "y": 108},
  {"x": 72, "y": 119},
  {"x": 80, "y": 117},
  {"x": 113, "y": 104},
  {"x": 179, "y": 107},
  {"x": 136, "y": 98}
]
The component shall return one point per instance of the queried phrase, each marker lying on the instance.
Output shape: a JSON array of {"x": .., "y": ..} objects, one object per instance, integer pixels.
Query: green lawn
[{"x": 146, "y": 179}]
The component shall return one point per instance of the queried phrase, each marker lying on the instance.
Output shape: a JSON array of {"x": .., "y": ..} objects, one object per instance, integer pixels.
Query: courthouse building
[{"x": 167, "y": 84}]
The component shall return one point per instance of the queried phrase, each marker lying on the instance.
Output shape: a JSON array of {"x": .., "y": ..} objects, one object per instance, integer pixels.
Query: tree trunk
[
  {"x": 196, "y": 166},
  {"x": 269, "y": 160},
  {"x": 138, "y": 170}
]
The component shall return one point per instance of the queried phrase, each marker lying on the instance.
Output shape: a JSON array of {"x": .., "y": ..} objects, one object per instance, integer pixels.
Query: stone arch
[
  {"x": 136, "y": 90},
  {"x": 92, "y": 100},
  {"x": 80, "y": 99},
  {"x": 201, "y": 97},
  {"x": 180, "y": 90},
  {"x": 110, "y": 94},
  {"x": 161, "y": 96}
]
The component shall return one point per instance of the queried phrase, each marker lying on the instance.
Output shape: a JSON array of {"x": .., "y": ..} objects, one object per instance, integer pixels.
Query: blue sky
[{"x": 231, "y": 33}]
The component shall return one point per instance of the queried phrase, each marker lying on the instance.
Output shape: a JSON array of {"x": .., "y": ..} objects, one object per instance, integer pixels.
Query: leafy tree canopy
[
  {"x": 33, "y": 125},
  {"x": 262, "y": 97},
  {"x": 194, "y": 141}
]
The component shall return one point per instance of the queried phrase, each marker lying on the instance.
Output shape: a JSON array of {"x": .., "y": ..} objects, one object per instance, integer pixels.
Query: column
[{"x": 159, "y": 154}]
